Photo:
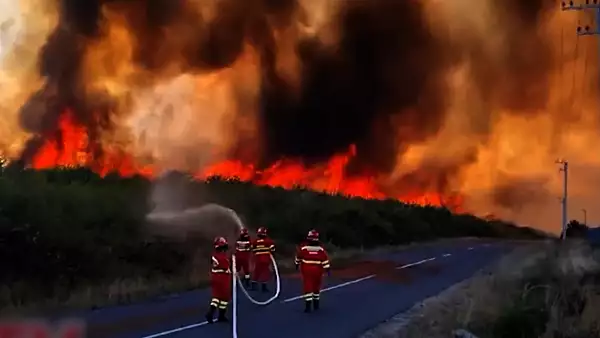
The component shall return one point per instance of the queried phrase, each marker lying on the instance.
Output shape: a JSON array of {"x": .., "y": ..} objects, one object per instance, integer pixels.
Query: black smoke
[
  {"x": 381, "y": 88},
  {"x": 386, "y": 68}
]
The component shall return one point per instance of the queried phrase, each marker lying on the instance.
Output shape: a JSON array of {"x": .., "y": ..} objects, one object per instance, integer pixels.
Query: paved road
[{"x": 353, "y": 300}]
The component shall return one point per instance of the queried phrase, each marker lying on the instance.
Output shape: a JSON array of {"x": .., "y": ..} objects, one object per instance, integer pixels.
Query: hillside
[{"x": 64, "y": 230}]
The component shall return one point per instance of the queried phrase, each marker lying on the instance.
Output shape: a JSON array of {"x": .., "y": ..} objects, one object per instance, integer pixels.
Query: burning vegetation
[{"x": 444, "y": 102}]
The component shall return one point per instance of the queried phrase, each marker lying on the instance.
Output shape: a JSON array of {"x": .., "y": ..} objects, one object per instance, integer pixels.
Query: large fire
[
  {"x": 69, "y": 147},
  {"x": 460, "y": 103}
]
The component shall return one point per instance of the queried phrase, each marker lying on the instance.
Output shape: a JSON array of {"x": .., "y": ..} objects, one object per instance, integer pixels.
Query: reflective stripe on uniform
[
  {"x": 258, "y": 249},
  {"x": 215, "y": 302},
  {"x": 243, "y": 246},
  {"x": 316, "y": 296},
  {"x": 326, "y": 264},
  {"x": 306, "y": 261},
  {"x": 220, "y": 271},
  {"x": 308, "y": 297},
  {"x": 215, "y": 261},
  {"x": 223, "y": 304},
  {"x": 312, "y": 248}
]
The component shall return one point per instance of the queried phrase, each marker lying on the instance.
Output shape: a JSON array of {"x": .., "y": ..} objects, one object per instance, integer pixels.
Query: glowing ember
[{"x": 70, "y": 148}]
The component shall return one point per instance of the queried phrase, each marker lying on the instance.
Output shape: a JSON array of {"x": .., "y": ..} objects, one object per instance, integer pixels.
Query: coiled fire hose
[{"x": 236, "y": 280}]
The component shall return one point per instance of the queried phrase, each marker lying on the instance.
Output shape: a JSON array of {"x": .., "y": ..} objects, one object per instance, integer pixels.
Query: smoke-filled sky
[{"x": 472, "y": 96}]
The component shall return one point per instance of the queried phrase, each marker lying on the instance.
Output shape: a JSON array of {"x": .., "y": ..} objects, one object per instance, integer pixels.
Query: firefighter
[
  {"x": 262, "y": 248},
  {"x": 220, "y": 280},
  {"x": 242, "y": 256},
  {"x": 312, "y": 259}
]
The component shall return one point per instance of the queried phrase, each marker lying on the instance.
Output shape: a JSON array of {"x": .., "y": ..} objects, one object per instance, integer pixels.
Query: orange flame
[{"x": 70, "y": 148}]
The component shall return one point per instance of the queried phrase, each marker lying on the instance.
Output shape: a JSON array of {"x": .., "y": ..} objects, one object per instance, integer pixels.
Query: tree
[{"x": 576, "y": 229}]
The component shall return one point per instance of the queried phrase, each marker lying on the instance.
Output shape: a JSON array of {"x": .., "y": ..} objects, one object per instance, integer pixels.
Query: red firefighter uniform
[
  {"x": 220, "y": 280},
  {"x": 262, "y": 248},
  {"x": 242, "y": 255},
  {"x": 313, "y": 260}
]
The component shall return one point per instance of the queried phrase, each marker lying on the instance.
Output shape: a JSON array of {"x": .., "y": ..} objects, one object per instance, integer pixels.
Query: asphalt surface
[{"x": 353, "y": 299}]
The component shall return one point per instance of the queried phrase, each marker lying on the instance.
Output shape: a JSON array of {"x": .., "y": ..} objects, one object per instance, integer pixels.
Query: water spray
[
  {"x": 190, "y": 214},
  {"x": 236, "y": 280}
]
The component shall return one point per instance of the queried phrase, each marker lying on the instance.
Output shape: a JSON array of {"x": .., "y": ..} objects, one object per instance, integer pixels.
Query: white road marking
[
  {"x": 183, "y": 328},
  {"x": 337, "y": 286},
  {"x": 332, "y": 287},
  {"x": 447, "y": 255},
  {"x": 415, "y": 263},
  {"x": 192, "y": 326}
]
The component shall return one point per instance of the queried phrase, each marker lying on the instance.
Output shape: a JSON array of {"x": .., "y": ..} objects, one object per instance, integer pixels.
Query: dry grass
[
  {"x": 118, "y": 292},
  {"x": 540, "y": 290}
]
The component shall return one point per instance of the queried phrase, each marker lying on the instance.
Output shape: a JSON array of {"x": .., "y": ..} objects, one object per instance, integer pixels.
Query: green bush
[
  {"x": 551, "y": 298},
  {"x": 62, "y": 229},
  {"x": 526, "y": 318}
]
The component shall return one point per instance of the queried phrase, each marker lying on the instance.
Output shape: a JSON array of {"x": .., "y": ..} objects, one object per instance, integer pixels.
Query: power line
[
  {"x": 589, "y": 7},
  {"x": 593, "y": 5},
  {"x": 574, "y": 79},
  {"x": 585, "y": 79}
]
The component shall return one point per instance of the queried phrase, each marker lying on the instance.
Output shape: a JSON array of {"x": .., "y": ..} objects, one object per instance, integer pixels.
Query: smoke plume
[{"x": 476, "y": 98}]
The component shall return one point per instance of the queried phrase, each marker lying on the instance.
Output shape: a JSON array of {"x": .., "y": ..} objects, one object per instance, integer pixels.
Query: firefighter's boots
[
  {"x": 210, "y": 314},
  {"x": 222, "y": 317},
  {"x": 307, "y": 306}
]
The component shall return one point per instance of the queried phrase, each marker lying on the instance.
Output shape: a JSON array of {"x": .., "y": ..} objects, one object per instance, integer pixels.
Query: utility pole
[
  {"x": 565, "y": 170},
  {"x": 589, "y": 5},
  {"x": 583, "y": 6}
]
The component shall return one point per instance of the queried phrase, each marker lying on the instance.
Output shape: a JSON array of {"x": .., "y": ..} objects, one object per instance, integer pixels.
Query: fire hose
[{"x": 236, "y": 280}]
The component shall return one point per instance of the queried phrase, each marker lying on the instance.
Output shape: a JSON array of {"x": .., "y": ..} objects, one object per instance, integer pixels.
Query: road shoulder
[{"x": 439, "y": 315}]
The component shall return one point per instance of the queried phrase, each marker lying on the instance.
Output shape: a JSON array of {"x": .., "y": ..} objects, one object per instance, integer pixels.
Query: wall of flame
[{"x": 177, "y": 118}]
